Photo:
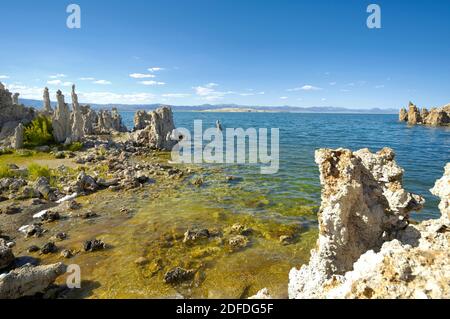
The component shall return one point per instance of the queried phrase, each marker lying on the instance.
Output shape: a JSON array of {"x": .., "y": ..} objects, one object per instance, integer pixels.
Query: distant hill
[{"x": 229, "y": 108}]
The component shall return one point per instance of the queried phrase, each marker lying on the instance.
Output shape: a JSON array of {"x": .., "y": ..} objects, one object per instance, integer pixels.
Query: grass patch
[
  {"x": 35, "y": 171},
  {"x": 74, "y": 147},
  {"x": 39, "y": 132},
  {"x": 6, "y": 172}
]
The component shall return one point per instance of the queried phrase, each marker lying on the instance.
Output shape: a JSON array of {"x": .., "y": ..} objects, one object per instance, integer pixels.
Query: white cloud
[
  {"x": 57, "y": 76},
  {"x": 59, "y": 82},
  {"x": 87, "y": 97},
  {"x": 344, "y": 90},
  {"x": 175, "y": 95},
  {"x": 4, "y": 77},
  {"x": 152, "y": 83},
  {"x": 102, "y": 82},
  {"x": 283, "y": 97},
  {"x": 333, "y": 83},
  {"x": 155, "y": 69},
  {"x": 25, "y": 91},
  {"x": 87, "y": 79},
  {"x": 379, "y": 86},
  {"x": 252, "y": 93},
  {"x": 209, "y": 93},
  {"x": 305, "y": 88},
  {"x": 115, "y": 98},
  {"x": 323, "y": 99},
  {"x": 141, "y": 76}
]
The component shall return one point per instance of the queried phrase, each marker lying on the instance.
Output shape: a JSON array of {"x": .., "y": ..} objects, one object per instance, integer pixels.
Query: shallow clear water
[{"x": 421, "y": 151}]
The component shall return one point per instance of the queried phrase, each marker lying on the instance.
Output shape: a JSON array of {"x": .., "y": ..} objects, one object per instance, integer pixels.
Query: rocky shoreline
[{"x": 433, "y": 117}]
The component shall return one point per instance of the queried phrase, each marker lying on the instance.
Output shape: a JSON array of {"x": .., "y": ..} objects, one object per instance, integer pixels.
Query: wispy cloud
[
  {"x": 155, "y": 69},
  {"x": 87, "y": 79},
  {"x": 152, "y": 83},
  {"x": 333, "y": 83},
  {"x": 141, "y": 76},
  {"x": 305, "y": 88},
  {"x": 59, "y": 82},
  {"x": 4, "y": 77},
  {"x": 26, "y": 92},
  {"x": 102, "y": 82},
  {"x": 344, "y": 90},
  {"x": 252, "y": 93},
  {"x": 283, "y": 97},
  {"x": 115, "y": 98},
  {"x": 209, "y": 93},
  {"x": 176, "y": 95},
  {"x": 57, "y": 76},
  {"x": 379, "y": 86}
]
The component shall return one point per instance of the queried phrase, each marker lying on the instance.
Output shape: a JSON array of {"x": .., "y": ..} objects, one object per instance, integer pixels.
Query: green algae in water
[{"x": 162, "y": 214}]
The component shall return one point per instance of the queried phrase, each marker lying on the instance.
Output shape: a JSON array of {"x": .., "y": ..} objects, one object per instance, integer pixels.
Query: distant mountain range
[{"x": 228, "y": 108}]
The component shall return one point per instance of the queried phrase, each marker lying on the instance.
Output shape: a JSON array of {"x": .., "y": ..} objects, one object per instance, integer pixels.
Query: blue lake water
[{"x": 421, "y": 151}]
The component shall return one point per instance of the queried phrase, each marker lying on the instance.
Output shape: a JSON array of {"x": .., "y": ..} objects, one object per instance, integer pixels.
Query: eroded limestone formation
[
  {"x": 11, "y": 113},
  {"x": 109, "y": 122},
  {"x": 61, "y": 120},
  {"x": 77, "y": 119},
  {"x": 48, "y": 110},
  {"x": 367, "y": 248},
  {"x": 154, "y": 129},
  {"x": 434, "y": 117},
  {"x": 18, "y": 137},
  {"x": 15, "y": 98}
]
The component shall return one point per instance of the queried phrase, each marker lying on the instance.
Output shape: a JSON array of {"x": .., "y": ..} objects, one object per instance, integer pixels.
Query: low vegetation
[
  {"x": 39, "y": 132},
  {"x": 35, "y": 171}
]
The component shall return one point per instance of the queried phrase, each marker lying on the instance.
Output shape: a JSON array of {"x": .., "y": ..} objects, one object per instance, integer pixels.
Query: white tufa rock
[
  {"x": 154, "y": 129},
  {"x": 363, "y": 206}
]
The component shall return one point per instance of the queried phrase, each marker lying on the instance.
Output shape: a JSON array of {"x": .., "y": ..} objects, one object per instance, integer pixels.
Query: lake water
[
  {"x": 272, "y": 207},
  {"x": 421, "y": 151}
]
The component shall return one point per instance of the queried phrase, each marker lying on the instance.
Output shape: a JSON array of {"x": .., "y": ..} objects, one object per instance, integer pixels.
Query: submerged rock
[
  {"x": 367, "y": 247},
  {"x": 93, "y": 245},
  {"x": 49, "y": 248},
  {"x": 238, "y": 242},
  {"x": 178, "y": 275},
  {"x": 192, "y": 236}
]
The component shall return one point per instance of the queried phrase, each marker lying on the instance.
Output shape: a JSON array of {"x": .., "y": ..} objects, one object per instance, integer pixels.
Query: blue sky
[{"x": 251, "y": 52}]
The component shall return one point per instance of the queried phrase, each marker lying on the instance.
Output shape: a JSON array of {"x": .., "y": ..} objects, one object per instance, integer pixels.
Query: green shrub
[
  {"x": 5, "y": 172},
  {"x": 6, "y": 151},
  {"x": 39, "y": 132},
  {"x": 35, "y": 171},
  {"x": 74, "y": 147}
]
